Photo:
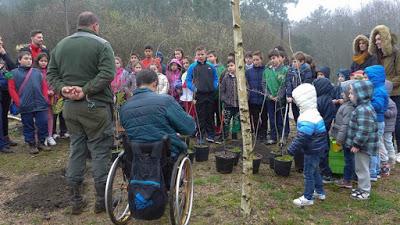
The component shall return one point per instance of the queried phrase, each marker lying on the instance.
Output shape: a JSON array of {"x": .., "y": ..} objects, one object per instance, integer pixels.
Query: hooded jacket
[
  {"x": 342, "y": 118},
  {"x": 380, "y": 98},
  {"x": 326, "y": 108},
  {"x": 311, "y": 133},
  {"x": 361, "y": 62},
  {"x": 254, "y": 78},
  {"x": 325, "y": 70},
  {"x": 345, "y": 73},
  {"x": 391, "y": 112},
  {"x": 362, "y": 131},
  {"x": 388, "y": 57}
]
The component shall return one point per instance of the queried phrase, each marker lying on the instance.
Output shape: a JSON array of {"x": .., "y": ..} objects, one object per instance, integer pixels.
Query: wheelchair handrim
[{"x": 186, "y": 217}]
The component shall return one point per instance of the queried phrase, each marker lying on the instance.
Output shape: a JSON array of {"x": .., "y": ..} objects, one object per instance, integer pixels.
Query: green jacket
[
  {"x": 273, "y": 79},
  {"x": 85, "y": 60}
]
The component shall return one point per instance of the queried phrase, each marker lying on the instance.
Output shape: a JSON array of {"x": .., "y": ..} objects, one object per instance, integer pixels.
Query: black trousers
[
  {"x": 205, "y": 113},
  {"x": 255, "y": 120},
  {"x": 5, "y": 104}
]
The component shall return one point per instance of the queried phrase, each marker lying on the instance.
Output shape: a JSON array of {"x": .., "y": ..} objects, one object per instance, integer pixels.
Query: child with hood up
[
  {"x": 362, "y": 135},
  {"x": 339, "y": 132},
  {"x": 380, "y": 99},
  {"x": 342, "y": 76},
  {"x": 312, "y": 139},
  {"x": 174, "y": 74}
]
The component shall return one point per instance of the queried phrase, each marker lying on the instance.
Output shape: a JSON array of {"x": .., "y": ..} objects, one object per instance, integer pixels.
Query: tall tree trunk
[{"x": 244, "y": 111}]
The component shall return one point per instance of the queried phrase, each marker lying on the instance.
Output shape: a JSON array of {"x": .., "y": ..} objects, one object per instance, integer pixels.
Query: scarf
[{"x": 360, "y": 58}]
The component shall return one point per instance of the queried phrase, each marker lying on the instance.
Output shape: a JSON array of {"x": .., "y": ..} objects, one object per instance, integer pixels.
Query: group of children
[{"x": 35, "y": 101}]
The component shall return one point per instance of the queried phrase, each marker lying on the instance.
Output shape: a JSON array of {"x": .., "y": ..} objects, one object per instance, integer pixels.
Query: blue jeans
[
  {"x": 312, "y": 176},
  {"x": 324, "y": 161},
  {"x": 374, "y": 165},
  {"x": 32, "y": 119},
  {"x": 348, "y": 170}
]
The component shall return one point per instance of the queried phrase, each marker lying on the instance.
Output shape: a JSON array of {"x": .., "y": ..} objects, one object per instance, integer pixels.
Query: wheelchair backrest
[{"x": 159, "y": 149}]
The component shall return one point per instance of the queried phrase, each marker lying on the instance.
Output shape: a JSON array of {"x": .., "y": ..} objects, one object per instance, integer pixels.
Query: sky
[{"x": 305, "y": 7}]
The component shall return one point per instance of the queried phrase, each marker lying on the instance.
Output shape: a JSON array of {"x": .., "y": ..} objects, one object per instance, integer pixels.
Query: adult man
[
  {"x": 36, "y": 46},
  {"x": 81, "y": 68},
  {"x": 382, "y": 45},
  {"x": 361, "y": 58},
  {"x": 148, "y": 116},
  {"x": 149, "y": 59},
  {"x": 5, "y": 96}
]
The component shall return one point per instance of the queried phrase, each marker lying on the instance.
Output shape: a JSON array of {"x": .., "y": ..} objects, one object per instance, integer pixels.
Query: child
[
  {"x": 128, "y": 80},
  {"x": 311, "y": 137},
  {"x": 213, "y": 59},
  {"x": 202, "y": 79},
  {"x": 339, "y": 132},
  {"x": 132, "y": 60},
  {"x": 362, "y": 137},
  {"x": 163, "y": 85},
  {"x": 229, "y": 97},
  {"x": 326, "y": 109},
  {"x": 390, "y": 123},
  {"x": 358, "y": 75},
  {"x": 120, "y": 72},
  {"x": 174, "y": 74},
  {"x": 41, "y": 63},
  {"x": 28, "y": 90},
  {"x": 187, "y": 94},
  {"x": 323, "y": 71},
  {"x": 274, "y": 81},
  {"x": 248, "y": 59},
  {"x": 342, "y": 76},
  {"x": 149, "y": 58},
  {"x": 299, "y": 73},
  {"x": 179, "y": 55},
  {"x": 380, "y": 99},
  {"x": 254, "y": 78}
]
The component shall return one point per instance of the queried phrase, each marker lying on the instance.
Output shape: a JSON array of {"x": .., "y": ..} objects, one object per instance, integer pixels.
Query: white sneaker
[
  {"x": 398, "y": 157},
  {"x": 319, "y": 196},
  {"x": 66, "y": 135},
  {"x": 50, "y": 141},
  {"x": 302, "y": 201},
  {"x": 55, "y": 136}
]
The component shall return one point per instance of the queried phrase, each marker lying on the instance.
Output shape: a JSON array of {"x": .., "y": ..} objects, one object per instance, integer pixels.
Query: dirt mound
[{"x": 42, "y": 192}]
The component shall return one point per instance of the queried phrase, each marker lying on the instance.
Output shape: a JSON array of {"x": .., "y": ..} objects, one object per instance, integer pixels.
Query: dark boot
[
  {"x": 100, "y": 205},
  {"x": 78, "y": 203}
]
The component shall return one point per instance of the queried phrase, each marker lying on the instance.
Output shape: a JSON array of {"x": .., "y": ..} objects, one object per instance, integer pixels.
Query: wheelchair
[{"x": 178, "y": 172}]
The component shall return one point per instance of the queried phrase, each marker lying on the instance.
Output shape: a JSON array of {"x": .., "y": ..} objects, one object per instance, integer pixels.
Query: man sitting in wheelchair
[{"x": 147, "y": 118}]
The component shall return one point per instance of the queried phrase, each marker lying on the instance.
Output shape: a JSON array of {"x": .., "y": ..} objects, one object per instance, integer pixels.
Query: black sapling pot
[
  {"x": 202, "y": 152},
  {"x": 191, "y": 154},
  {"x": 224, "y": 161},
  {"x": 271, "y": 158},
  {"x": 256, "y": 162},
  {"x": 282, "y": 165},
  {"x": 235, "y": 150}
]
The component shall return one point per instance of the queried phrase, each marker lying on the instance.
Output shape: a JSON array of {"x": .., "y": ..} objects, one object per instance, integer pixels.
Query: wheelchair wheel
[
  {"x": 181, "y": 191},
  {"x": 116, "y": 193}
]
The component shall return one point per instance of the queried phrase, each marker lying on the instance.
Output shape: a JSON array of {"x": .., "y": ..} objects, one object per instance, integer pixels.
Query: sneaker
[
  {"x": 271, "y": 142},
  {"x": 302, "y": 201},
  {"x": 210, "y": 139},
  {"x": 327, "y": 180},
  {"x": 219, "y": 140},
  {"x": 344, "y": 184},
  {"x": 55, "y": 136},
  {"x": 33, "y": 149},
  {"x": 50, "y": 141},
  {"x": 359, "y": 194},
  {"x": 319, "y": 196},
  {"x": 43, "y": 147},
  {"x": 64, "y": 136},
  {"x": 374, "y": 179}
]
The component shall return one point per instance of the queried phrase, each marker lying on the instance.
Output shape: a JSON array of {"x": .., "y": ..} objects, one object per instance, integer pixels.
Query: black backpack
[{"x": 147, "y": 191}]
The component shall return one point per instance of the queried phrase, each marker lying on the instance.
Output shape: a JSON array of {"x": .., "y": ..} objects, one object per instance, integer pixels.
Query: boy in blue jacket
[
  {"x": 312, "y": 139},
  {"x": 380, "y": 100}
]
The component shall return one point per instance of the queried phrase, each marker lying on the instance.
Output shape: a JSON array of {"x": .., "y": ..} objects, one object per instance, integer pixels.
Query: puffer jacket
[
  {"x": 362, "y": 131},
  {"x": 34, "y": 95},
  {"x": 296, "y": 77},
  {"x": 380, "y": 98},
  {"x": 342, "y": 118},
  {"x": 311, "y": 133},
  {"x": 148, "y": 117},
  {"x": 360, "y": 61},
  {"x": 388, "y": 56},
  {"x": 254, "y": 78},
  {"x": 391, "y": 112},
  {"x": 325, "y": 107}
]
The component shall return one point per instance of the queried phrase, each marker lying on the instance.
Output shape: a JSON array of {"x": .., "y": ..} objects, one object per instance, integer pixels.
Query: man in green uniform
[{"x": 81, "y": 69}]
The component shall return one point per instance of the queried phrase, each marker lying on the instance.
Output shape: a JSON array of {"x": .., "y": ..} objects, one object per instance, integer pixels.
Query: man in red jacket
[{"x": 37, "y": 44}]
